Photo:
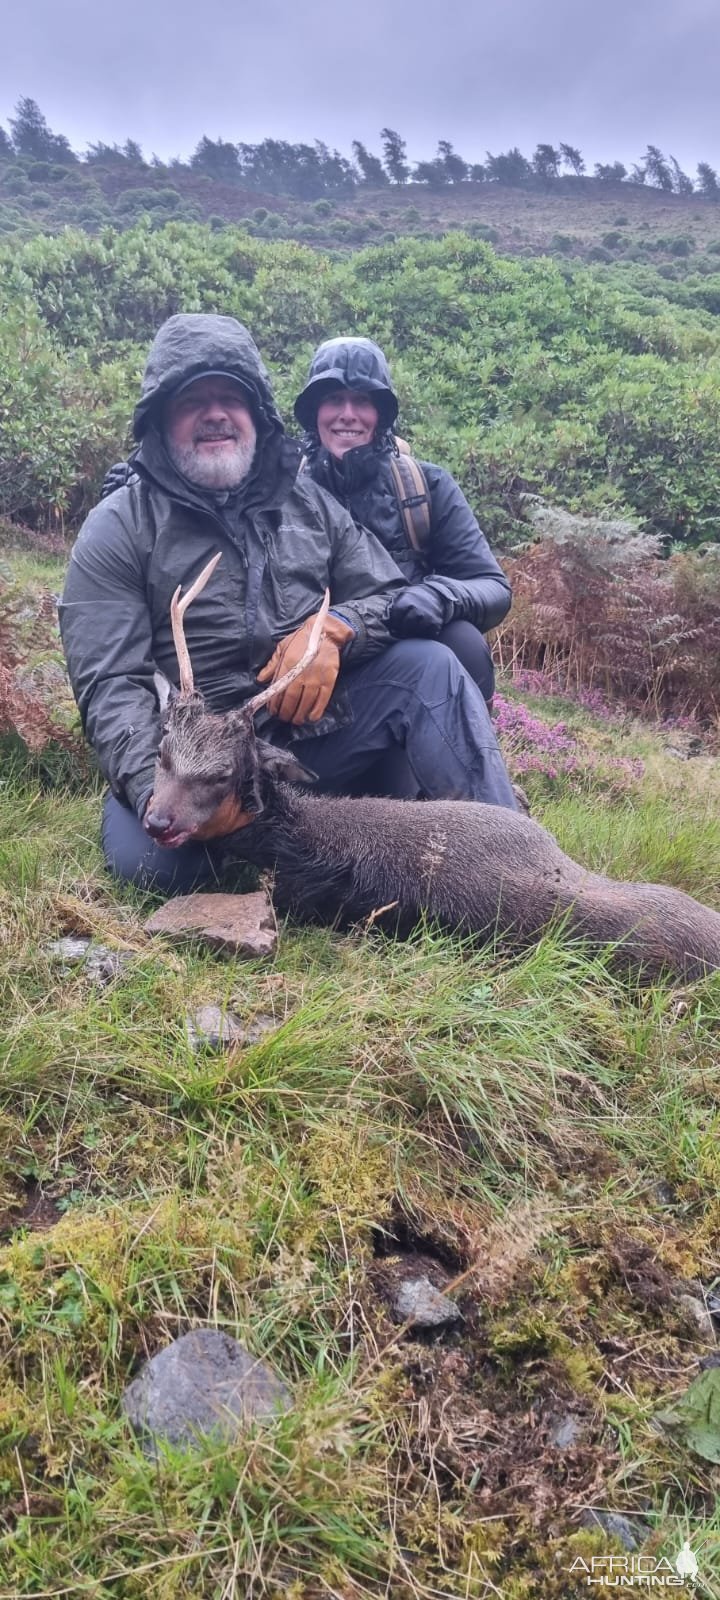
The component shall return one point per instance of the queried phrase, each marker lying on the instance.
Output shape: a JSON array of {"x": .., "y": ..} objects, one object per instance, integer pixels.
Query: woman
[{"x": 456, "y": 590}]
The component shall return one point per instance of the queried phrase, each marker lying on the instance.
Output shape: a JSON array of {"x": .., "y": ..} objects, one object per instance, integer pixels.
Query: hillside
[{"x": 584, "y": 218}]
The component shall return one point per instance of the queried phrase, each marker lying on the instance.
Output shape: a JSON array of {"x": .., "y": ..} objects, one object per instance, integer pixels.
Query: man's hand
[
  {"x": 306, "y": 700},
  {"x": 419, "y": 611}
]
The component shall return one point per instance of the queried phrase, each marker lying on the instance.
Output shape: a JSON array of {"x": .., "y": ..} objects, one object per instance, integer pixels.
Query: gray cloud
[{"x": 608, "y": 77}]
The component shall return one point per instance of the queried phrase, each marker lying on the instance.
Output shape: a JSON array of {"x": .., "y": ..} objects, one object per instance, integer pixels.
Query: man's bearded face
[{"x": 210, "y": 433}]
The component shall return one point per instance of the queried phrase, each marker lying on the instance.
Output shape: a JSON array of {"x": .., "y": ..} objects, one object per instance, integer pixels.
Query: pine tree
[
  {"x": 572, "y": 159},
  {"x": 546, "y": 162},
  {"x": 456, "y": 170},
  {"x": 370, "y": 166},
  {"x": 32, "y": 137},
  {"x": 394, "y": 151},
  {"x": 708, "y": 181}
]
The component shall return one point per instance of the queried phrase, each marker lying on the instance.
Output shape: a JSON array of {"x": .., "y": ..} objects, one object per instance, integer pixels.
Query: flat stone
[
  {"x": 238, "y": 924},
  {"x": 566, "y": 1432},
  {"x": 212, "y": 1028},
  {"x": 417, "y": 1301},
  {"x": 101, "y": 964},
  {"x": 203, "y": 1385},
  {"x": 630, "y": 1534},
  {"x": 700, "y": 1314},
  {"x": 72, "y": 951}
]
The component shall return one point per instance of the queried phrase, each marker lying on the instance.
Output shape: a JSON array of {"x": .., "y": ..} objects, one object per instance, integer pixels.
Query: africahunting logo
[{"x": 637, "y": 1572}]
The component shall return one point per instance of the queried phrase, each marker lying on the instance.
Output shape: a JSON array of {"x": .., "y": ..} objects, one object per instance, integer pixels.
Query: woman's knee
[{"x": 474, "y": 654}]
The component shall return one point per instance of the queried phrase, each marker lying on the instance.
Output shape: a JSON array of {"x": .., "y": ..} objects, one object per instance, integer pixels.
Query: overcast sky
[{"x": 607, "y": 75}]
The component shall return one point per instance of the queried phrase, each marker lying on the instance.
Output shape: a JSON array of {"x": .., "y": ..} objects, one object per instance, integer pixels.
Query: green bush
[
  {"x": 323, "y": 208},
  {"x": 482, "y": 230},
  {"x": 596, "y": 386},
  {"x": 15, "y": 182},
  {"x": 612, "y": 240}
]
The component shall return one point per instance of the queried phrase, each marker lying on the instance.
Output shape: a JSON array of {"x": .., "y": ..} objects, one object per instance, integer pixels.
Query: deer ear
[
  {"x": 282, "y": 764},
  {"x": 165, "y": 691}
]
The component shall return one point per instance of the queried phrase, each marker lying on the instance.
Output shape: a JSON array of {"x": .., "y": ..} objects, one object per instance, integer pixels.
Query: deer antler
[
  {"x": 178, "y": 608},
  {"x": 281, "y": 684}
]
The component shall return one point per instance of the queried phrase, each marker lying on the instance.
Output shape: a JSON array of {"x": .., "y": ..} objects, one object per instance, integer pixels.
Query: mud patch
[{"x": 38, "y": 1211}]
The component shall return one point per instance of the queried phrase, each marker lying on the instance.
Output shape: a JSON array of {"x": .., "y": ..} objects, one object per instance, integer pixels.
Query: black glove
[
  {"x": 116, "y": 478},
  {"x": 420, "y": 611}
]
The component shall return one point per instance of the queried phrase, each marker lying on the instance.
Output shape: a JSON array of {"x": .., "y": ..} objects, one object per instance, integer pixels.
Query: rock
[
  {"x": 72, "y": 951},
  {"x": 238, "y": 924},
  {"x": 684, "y": 746},
  {"x": 104, "y": 965},
  {"x": 566, "y": 1432},
  {"x": 708, "y": 1362},
  {"x": 101, "y": 964},
  {"x": 630, "y": 1534},
  {"x": 698, "y": 1312},
  {"x": 212, "y": 1028},
  {"x": 663, "y": 1193},
  {"x": 417, "y": 1301},
  {"x": 204, "y": 1384}
]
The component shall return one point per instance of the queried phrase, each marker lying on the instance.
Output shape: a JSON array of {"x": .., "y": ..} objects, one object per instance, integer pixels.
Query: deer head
[{"x": 212, "y": 772}]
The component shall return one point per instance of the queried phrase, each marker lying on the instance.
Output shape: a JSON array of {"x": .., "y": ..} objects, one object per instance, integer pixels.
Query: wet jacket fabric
[
  {"x": 458, "y": 562},
  {"x": 283, "y": 539}
]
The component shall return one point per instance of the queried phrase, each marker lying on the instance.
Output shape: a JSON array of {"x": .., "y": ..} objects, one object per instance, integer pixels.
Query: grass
[{"x": 547, "y": 1131}]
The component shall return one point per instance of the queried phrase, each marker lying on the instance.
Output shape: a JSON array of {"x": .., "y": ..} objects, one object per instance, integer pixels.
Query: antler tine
[
  {"x": 178, "y": 608},
  {"x": 281, "y": 684}
]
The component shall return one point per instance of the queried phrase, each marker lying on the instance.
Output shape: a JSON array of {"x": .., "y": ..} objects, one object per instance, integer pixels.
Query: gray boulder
[
  {"x": 417, "y": 1301},
  {"x": 203, "y": 1385}
]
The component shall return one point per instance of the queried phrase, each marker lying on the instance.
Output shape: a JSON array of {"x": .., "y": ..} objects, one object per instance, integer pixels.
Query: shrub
[
  {"x": 260, "y": 213},
  {"x": 612, "y": 240},
  {"x": 596, "y": 608},
  {"x": 323, "y": 208},
  {"x": 481, "y": 230},
  {"x": 35, "y": 699},
  {"x": 15, "y": 182}
]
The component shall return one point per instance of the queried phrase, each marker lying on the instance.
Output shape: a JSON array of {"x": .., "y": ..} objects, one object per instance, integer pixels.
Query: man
[
  {"x": 456, "y": 591},
  {"x": 213, "y": 471}
]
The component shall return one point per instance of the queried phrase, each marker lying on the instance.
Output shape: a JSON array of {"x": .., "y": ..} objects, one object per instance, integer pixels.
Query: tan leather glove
[{"x": 306, "y": 699}]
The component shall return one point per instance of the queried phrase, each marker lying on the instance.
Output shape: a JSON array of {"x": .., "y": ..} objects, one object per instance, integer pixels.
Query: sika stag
[{"x": 474, "y": 868}]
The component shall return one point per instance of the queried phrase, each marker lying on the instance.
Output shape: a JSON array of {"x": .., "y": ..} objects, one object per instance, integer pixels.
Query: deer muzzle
[{"x": 164, "y": 829}]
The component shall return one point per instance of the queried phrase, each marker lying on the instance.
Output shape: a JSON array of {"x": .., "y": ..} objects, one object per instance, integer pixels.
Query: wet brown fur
[{"x": 469, "y": 867}]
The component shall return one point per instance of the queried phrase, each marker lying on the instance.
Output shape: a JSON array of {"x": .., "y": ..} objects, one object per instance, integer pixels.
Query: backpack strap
[{"x": 413, "y": 498}]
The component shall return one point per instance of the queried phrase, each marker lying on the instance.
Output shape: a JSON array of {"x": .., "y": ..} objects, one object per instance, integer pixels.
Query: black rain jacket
[
  {"x": 458, "y": 562},
  {"x": 283, "y": 540}
]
